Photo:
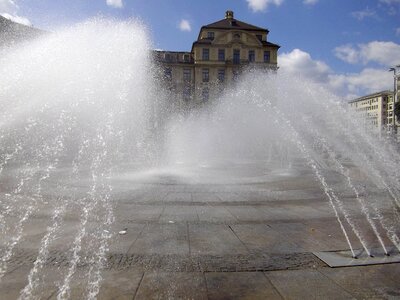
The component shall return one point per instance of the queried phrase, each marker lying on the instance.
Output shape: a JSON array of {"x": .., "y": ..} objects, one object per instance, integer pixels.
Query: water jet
[{"x": 90, "y": 146}]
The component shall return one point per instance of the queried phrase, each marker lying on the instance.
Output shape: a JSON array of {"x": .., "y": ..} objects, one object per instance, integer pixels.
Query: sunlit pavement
[{"x": 199, "y": 237}]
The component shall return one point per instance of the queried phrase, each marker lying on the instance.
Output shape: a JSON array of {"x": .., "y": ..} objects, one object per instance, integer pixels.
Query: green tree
[{"x": 397, "y": 110}]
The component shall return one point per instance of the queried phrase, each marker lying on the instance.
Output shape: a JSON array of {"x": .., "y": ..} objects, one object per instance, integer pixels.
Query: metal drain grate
[{"x": 345, "y": 259}]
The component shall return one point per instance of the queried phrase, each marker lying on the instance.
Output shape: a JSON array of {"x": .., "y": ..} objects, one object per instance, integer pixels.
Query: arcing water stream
[{"x": 79, "y": 105}]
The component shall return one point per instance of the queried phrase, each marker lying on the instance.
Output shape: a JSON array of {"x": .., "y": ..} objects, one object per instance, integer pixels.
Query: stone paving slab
[
  {"x": 214, "y": 239},
  {"x": 368, "y": 282},
  {"x": 178, "y": 197},
  {"x": 306, "y": 284},
  {"x": 247, "y": 213},
  {"x": 263, "y": 238},
  {"x": 161, "y": 285},
  {"x": 214, "y": 214},
  {"x": 162, "y": 239},
  {"x": 205, "y": 197},
  {"x": 179, "y": 214},
  {"x": 240, "y": 285},
  {"x": 120, "y": 284},
  {"x": 139, "y": 212},
  {"x": 300, "y": 235}
]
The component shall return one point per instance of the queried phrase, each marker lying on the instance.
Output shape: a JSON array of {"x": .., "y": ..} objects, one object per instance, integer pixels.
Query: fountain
[{"x": 84, "y": 130}]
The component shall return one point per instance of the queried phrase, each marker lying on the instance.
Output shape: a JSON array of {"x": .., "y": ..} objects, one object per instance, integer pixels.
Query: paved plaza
[{"x": 252, "y": 235}]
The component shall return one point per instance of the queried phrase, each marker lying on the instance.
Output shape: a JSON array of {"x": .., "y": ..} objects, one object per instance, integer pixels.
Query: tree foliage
[{"x": 397, "y": 110}]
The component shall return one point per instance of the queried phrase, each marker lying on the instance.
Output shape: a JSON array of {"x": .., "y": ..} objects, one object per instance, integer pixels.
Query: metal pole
[
  {"x": 396, "y": 92},
  {"x": 394, "y": 100}
]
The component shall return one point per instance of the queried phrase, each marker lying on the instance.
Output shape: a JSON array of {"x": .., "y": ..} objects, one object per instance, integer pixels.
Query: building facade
[
  {"x": 375, "y": 111},
  {"x": 221, "y": 52}
]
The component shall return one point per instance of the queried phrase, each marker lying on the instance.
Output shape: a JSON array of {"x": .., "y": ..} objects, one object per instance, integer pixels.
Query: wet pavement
[{"x": 199, "y": 237}]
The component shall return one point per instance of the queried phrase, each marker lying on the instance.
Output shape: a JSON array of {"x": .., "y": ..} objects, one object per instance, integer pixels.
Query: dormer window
[
  {"x": 259, "y": 37},
  {"x": 210, "y": 35},
  {"x": 236, "y": 36},
  {"x": 233, "y": 22}
]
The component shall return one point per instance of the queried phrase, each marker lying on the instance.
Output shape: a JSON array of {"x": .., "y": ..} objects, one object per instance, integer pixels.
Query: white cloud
[
  {"x": 17, "y": 19},
  {"x": 383, "y": 53},
  {"x": 348, "y": 86},
  {"x": 300, "y": 62},
  {"x": 115, "y": 3},
  {"x": 9, "y": 10},
  {"x": 262, "y": 5},
  {"x": 392, "y": 7},
  {"x": 367, "y": 81},
  {"x": 347, "y": 53},
  {"x": 184, "y": 25},
  {"x": 310, "y": 2},
  {"x": 390, "y": 2},
  {"x": 362, "y": 14},
  {"x": 7, "y": 6}
]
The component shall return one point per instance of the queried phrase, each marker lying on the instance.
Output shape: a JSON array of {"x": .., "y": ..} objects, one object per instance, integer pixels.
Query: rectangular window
[
  {"x": 187, "y": 75},
  {"x": 167, "y": 57},
  {"x": 168, "y": 73},
  {"x": 235, "y": 75},
  {"x": 267, "y": 56},
  {"x": 252, "y": 56},
  {"x": 186, "y": 58},
  {"x": 221, "y": 75},
  {"x": 221, "y": 54},
  {"x": 205, "y": 94},
  {"x": 187, "y": 93},
  {"x": 206, "y": 75},
  {"x": 206, "y": 54},
  {"x": 236, "y": 56},
  {"x": 210, "y": 35}
]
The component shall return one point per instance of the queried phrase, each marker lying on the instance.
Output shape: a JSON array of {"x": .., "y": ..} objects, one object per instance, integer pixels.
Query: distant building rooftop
[
  {"x": 382, "y": 93},
  {"x": 231, "y": 23}
]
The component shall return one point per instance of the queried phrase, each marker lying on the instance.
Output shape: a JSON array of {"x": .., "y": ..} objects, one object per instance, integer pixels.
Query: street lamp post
[{"x": 394, "y": 70}]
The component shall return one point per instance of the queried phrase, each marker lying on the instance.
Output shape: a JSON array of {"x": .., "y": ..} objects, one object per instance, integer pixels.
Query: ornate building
[{"x": 221, "y": 52}]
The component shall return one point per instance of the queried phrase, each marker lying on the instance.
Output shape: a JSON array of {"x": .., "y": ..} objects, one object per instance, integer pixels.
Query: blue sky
[{"x": 347, "y": 45}]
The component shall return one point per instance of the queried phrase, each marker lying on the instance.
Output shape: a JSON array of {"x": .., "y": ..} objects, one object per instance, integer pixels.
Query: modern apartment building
[
  {"x": 375, "y": 111},
  {"x": 221, "y": 52}
]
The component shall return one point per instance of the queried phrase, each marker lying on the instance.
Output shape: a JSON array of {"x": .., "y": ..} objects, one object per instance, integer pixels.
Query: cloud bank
[
  {"x": 348, "y": 86},
  {"x": 384, "y": 53}
]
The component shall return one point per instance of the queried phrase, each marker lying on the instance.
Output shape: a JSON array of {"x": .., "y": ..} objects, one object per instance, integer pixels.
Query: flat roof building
[{"x": 375, "y": 111}]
